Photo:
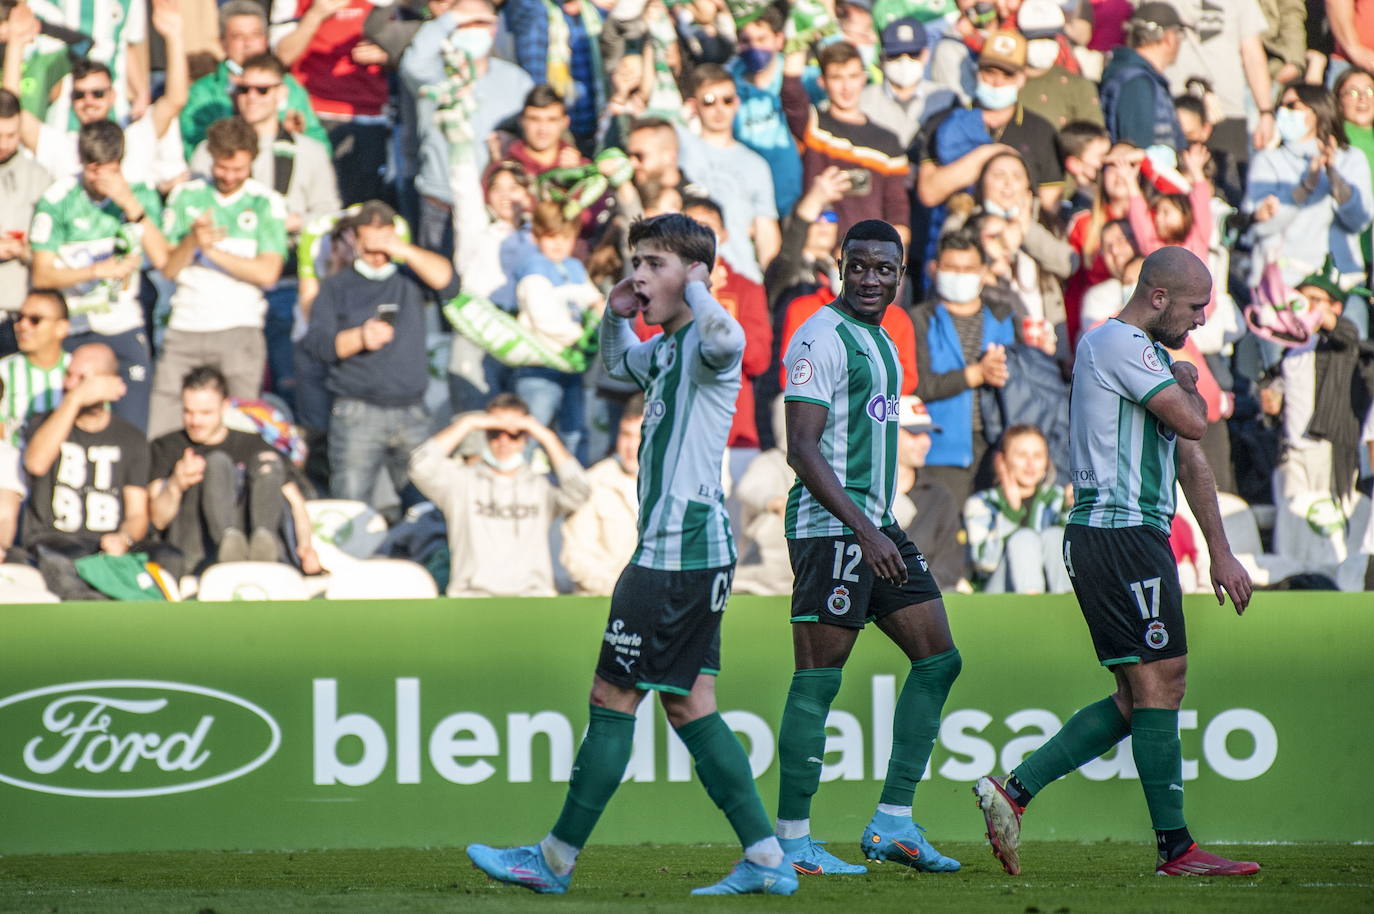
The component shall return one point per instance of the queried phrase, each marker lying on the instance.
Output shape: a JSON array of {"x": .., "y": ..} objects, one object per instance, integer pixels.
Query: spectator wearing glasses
[
  {"x": 296, "y": 167},
  {"x": 242, "y": 34},
  {"x": 1355, "y": 95},
  {"x": 32, "y": 377},
  {"x": 89, "y": 235},
  {"x": 498, "y": 509},
  {"x": 905, "y": 99},
  {"x": 154, "y": 154},
  {"x": 22, "y": 182},
  {"x": 731, "y": 173}
]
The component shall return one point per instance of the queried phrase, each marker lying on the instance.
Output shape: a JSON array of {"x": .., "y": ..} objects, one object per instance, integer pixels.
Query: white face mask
[
  {"x": 475, "y": 41},
  {"x": 513, "y": 462},
  {"x": 994, "y": 208},
  {"x": 1291, "y": 125},
  {"x": 995, "y": 98},
  {"x": 1041, "y": 53},
  {"x": 958, "y": 288},
  {"x": 376, "y": 274},
  {"x": 904, "y": 72}
]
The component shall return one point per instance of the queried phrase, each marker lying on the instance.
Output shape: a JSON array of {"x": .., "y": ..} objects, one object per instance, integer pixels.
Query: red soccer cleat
[
  {"x": 1197, "y": 862},
  {"x": 1003, "y": 818}
]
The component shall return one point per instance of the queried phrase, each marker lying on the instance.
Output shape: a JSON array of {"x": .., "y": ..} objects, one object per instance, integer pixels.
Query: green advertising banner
[{"x": 335, "y": 724}]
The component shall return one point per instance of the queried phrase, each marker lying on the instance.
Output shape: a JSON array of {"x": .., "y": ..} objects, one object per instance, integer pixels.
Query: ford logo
[{"x": 130, "y": 738}]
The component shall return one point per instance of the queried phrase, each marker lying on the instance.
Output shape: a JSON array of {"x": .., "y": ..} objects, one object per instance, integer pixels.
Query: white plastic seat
[
  {"x": 344, "y": 531},
  {"x": 231, "y": 581},
  {"x": 382, "y": 579}
]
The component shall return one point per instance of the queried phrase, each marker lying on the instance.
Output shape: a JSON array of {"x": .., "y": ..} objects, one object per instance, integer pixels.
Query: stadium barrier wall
[{"x": 436, "y": 723}]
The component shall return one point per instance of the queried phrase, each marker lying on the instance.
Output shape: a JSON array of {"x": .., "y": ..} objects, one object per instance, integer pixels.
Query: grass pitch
[{"x": 1060, "y": 878}]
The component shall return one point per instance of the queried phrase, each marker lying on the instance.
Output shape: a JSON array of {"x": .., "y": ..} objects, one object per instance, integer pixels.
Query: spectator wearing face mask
[
  {"x": 961, "y": 340},
  {"x": 760, "y": 122},
  {"x": 904, "y": 100},
  {"x": 954, "y": 59},
  {"x": 1052, "y": 91}
]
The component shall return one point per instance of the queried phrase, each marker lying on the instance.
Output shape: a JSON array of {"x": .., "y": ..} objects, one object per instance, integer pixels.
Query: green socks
[
  {"x": 1159, "y": 759},
  {"x": 915, "y": 724},
  {"x": 801, "y": 739},
  {"x": 724, "y": 771},
  {"x": 1088, "y": 734},
  {"x": 596, "y": 774}
]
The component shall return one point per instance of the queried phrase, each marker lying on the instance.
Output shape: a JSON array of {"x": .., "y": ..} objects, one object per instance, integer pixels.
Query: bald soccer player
[{"x": 1135, "y": 422}]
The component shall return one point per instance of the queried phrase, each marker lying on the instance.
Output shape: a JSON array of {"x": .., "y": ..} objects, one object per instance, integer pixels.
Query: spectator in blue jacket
[
  {"x": 962, "y": 335},
  {"x": 1136, "y": 101}
]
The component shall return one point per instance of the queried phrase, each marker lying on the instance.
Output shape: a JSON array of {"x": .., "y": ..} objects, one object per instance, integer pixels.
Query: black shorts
[
  {"x": 834, "y": 585},
  {"x": 664, "y": 628},
  {"x": 1126, "y": 581}
]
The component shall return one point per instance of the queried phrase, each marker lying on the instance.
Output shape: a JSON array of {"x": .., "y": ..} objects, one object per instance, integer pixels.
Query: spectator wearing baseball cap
[
  {"x": 905, "y": 99},
  {"x": 1136, "y": 101},
  {"x": 1052, "y": 91},
  {"x": 952, "y": 154},
  {"x": 924, "y": 508}
]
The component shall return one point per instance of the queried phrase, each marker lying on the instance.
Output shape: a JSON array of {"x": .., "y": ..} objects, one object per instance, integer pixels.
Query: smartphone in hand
[{"x": 386, "y": 312}]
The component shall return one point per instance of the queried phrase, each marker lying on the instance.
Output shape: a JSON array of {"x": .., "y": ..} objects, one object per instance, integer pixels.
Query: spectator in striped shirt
[
  {"x": 33, "y": 375},
  {"x": 838, "y": 133}
]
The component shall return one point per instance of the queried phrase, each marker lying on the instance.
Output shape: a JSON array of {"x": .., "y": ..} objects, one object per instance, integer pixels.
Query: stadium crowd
[{"x": 261, "y": 258}]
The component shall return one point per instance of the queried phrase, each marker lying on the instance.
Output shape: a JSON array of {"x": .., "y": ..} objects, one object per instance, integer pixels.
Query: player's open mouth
[{"x": 642, "y": 299}]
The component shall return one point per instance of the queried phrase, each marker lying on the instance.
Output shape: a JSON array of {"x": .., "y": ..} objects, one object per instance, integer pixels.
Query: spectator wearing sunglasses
[
  {"x": 32, "y": 377},
  {"x": 732, "y": 174},
  {"x": 154, "y": 155},
  {"x": 499, "y": 510},
  {"x": 299, "y": 169}
]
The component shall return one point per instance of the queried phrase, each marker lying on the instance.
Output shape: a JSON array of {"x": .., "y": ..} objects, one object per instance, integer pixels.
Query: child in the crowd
[
  {"x": 1016, "y": 530},
  {"x": 553, "y": 295}
]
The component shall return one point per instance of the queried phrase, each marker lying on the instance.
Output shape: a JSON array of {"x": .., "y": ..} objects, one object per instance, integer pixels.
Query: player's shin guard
[
  {"x": 801, "y": 739},
  {"x": 724, "y": 771},
  {"x": 916, "y": 723},
  {"x": 1088, "y": 734},
  {"x": 597, "y": 771},
  {"x": 1159, "y": 759}
]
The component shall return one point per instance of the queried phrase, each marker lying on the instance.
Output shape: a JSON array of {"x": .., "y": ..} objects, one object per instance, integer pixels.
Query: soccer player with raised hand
[
  {"x": 663, "y": 634},
  {"x": 1135, "y": 420},
  {"x": 852, "y": 561}
]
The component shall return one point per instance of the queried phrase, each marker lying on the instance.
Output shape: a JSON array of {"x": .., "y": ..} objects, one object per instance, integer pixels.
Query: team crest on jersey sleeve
[
  {"x": 802, "y": 371},
  {"x": 1150, "y": 357}
]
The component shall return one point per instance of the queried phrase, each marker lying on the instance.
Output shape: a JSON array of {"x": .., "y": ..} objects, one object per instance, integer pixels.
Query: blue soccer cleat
[
  {"x": 754, "y": 879},
  {"x": 519, "y": 866},
  {"x": 810, "y": 858},
  {"x": 908, "y": 847}
]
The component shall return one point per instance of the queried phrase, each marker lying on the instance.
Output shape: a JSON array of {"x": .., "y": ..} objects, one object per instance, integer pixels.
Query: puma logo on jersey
[{"x": 806, "y": 344}]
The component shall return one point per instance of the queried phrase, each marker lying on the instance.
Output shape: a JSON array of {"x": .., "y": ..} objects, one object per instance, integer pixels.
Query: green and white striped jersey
[
  {"x": 113, "y": 25},
  {"x": 254, "y": 222},
  {"x": 29, "y": 390},
  {"x": 688, "y": 409},
  {"x": 1121, "y": 458},
  {"x": 67, "y": 222},
  {"x": 851, "y": 368}
]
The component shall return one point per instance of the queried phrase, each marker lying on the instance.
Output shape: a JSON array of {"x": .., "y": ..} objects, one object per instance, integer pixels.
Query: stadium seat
[
  {"x": 22, "y": 584},
  {"x": 382, "y": 579},
  {"x": 1265, "y": 568},
  {"x": 232, "y": 581},
  {"x": 344, "y": 531}
]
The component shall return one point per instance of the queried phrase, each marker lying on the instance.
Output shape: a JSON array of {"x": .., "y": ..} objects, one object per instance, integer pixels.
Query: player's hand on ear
[
  {"x": 623, "y": 300},
  {"x": 699, "y": 272}
]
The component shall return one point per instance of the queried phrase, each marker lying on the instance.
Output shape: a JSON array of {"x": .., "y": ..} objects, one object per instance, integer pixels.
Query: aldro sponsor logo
[{"x": 130, "y": 738}]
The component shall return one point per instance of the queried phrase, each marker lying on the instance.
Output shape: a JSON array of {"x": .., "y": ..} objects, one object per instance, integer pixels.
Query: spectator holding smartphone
[{"x": 367, "y": 325}]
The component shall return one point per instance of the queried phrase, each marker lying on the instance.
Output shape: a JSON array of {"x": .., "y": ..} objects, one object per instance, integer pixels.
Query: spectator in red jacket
[{"x": 342, "y": 72}]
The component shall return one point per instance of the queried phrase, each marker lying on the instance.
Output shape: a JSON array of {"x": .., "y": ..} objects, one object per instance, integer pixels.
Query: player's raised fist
[{"x": 1185, "y": 374}]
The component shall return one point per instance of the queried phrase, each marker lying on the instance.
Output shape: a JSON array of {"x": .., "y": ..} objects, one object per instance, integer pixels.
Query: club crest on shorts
[
  {"x": 1156, "y": 636},
  {"x": 838, "y": 603}
]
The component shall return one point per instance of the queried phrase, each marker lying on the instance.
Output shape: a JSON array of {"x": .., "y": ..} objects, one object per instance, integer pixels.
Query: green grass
[{"x": 1060, "y": 878}]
